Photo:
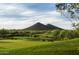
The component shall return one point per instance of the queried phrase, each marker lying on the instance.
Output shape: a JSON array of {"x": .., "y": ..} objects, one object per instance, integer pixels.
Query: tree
[
  {"x": 70, "y": 11},
  {"x": 4, "y": 33}
]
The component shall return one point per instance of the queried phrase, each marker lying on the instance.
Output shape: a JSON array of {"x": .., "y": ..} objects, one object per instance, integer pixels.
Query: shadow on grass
[
  {"x": 2, "y": 48},
  {"x": 5, "y": 42}
]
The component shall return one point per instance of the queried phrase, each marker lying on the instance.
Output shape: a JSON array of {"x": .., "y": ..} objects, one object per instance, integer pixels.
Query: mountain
[
  {"x": 40, "y": 26},
  {"x": 52, "y": 26}
]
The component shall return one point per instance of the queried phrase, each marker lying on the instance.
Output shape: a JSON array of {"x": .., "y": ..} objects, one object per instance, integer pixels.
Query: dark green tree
[{"x": 4, "y": 33}]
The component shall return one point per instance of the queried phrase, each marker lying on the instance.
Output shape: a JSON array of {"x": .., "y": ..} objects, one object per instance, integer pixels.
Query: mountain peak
[
  {"x": 38, "y": 23},
  {"x": 40, "y": 26}
]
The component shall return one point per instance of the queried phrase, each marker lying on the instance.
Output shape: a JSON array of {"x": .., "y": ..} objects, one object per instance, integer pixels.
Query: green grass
[
  {"x": 24, "y": 47},
  {"x": 10, "y": 45}
]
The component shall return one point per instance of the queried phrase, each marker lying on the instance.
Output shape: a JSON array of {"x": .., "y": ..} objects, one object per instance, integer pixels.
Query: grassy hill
[{"x": 17, "y": 47}]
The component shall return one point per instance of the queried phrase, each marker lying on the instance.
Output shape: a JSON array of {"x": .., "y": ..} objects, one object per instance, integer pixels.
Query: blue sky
[{"x": 23, "y": 15}]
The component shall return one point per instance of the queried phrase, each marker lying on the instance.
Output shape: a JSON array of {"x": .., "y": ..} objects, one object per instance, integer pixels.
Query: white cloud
[
  {"x": 28, "y": 13},
  {"x": 12, "y": 24},
  {"x": 23, "y": 21}
]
